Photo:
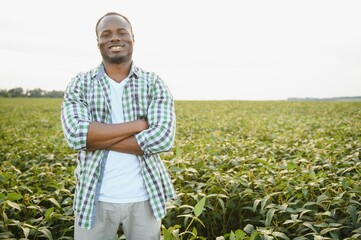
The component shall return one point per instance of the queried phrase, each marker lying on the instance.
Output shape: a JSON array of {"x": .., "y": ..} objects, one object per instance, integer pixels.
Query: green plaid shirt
[{"x": 87, "y": 99}]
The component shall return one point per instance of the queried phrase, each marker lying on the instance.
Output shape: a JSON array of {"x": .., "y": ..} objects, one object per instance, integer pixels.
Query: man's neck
[{"x": 117, "y": 72}]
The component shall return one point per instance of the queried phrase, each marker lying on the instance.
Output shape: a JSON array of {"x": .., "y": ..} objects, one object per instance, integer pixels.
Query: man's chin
[{"x": 117, "y": 59}]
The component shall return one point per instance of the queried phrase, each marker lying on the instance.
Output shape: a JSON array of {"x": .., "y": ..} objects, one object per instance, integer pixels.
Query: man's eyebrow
[
  {"x": 106, "y": 30},
  {"x": 118, "y": 29}
]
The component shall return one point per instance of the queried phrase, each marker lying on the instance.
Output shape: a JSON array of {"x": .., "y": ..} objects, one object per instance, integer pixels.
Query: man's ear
[{"x": 98, "y": 43}]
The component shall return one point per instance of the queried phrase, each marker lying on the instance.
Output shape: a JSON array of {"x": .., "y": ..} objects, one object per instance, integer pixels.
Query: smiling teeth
[{"x": 116, "y": 47}]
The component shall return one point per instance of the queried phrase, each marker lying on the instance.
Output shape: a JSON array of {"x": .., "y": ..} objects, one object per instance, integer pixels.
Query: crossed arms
[{"x": 117, "y": 137}]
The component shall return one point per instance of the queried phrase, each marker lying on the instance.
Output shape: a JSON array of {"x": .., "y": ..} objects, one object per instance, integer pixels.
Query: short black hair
[{"x": 109, "y": 14}]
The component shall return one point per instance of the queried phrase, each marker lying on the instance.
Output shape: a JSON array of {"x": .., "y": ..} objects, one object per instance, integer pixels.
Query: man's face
[{"x": 115, "y": 39}]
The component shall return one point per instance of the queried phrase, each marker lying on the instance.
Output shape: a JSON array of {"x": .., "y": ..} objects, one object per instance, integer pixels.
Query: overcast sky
[{"x": 203, "y": 49}]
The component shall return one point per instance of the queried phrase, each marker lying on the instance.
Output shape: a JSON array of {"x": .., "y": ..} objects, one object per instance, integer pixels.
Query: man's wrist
[{"x": 141, "y": 125}]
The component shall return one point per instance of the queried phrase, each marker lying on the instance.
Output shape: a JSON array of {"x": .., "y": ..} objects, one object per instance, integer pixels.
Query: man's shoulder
[
  {"x": 83, "y": 79},
  {"x": 145, "y": 74},
  {"x": 87, "y": 75}
]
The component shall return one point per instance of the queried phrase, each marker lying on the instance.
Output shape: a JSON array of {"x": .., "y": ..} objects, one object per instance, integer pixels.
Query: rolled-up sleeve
[
  {"x": 159, "y": 137},
  {"x": 75, "y": 116}
]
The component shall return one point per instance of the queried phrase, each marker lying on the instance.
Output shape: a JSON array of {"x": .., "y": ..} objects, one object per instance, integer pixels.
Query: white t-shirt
[{"x": 122, "y": 181}]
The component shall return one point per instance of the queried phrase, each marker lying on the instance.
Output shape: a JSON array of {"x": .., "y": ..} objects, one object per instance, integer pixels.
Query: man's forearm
[
  {"x": 128, "y": 145},
  {"x": 101, "y": 135}
]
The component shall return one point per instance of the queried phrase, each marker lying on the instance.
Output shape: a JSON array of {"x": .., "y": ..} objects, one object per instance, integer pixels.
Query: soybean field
[{"x": 242, "y": 170}]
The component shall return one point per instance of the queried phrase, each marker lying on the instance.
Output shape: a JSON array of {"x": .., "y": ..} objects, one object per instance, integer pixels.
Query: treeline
[
  {"x": 356, "y": 98},
  {"x": 31, "y": 93}
]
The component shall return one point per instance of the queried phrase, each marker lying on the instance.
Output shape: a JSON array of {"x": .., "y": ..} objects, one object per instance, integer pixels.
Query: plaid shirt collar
[{"x": 101, "y": 71}]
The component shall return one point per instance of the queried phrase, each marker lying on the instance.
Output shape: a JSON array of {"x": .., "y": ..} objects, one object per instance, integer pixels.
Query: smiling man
[{"x": 119, "y": 117}]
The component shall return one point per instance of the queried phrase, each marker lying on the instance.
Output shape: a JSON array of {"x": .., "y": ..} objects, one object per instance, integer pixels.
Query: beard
[{"x": 117, "y": 59}]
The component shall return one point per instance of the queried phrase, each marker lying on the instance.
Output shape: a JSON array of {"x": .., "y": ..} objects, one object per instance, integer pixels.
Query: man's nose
[{"x": 115, "y": 37}]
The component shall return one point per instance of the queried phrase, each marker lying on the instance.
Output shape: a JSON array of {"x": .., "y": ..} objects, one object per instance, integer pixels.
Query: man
[{"x": 119, "y": 117}]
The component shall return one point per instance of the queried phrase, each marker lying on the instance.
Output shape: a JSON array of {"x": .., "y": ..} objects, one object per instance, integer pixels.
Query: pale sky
[{"x": 202, "y": 49}]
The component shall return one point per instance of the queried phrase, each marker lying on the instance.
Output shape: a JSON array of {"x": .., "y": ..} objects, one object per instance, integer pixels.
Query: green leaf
[
  {"x": 46, "y": 233},
  {"x": 198, "y": 208},
  {"x": 56, "y": 203},
  {"x": 304, "y": 211},
  {"x": 356, "y": 236},
  {"x": 255, "y": 204},
  {"x": 2, "y": 196},
  {"x": 240, "y": 234},
  {"x": 221, "y": 202},
  {"x": 280, "y": 235},
  {"x": 288, "y": 222},
  {"x": 194, "y": 231},
  {"x": 13, "y": 204},
  {"x": 312, "y": 174},
  {"x": 26, "y": 231},
  {"x": 352, "y": 212},
  {"x": 167, "y": 234},
  {"x": 14, "y": 196},
  {"x": 254, "y": 235},
  {"x": 48, "y": 212},
  {"x": 326, "y": 230},
  {"x": 6, "y": 235},
  {"x": 170, "y": 233},
  {"x": 178, "y": 152},
  {"x": 309, "y": 225},
  {"x": 5, "y": 217},
  {"x": 344, "y": 184},
  {"x": 291, "y": 165},
  {"x": 269, "y": 217},
  {"x": 300, "y": 238},
  {"x": 335, "y": 235},
  {"x": 198, "y": 220},
  {"x": 249, "y": 228}
]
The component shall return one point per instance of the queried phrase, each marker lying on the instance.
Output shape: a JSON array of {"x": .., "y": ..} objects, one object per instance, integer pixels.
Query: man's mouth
[{"x": 116, "y": 47}]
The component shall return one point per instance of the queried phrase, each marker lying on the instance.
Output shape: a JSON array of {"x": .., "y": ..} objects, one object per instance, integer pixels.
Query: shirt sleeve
[
  {"x": 75, "y": 116},
  {"x": 159, "y": 137}
]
